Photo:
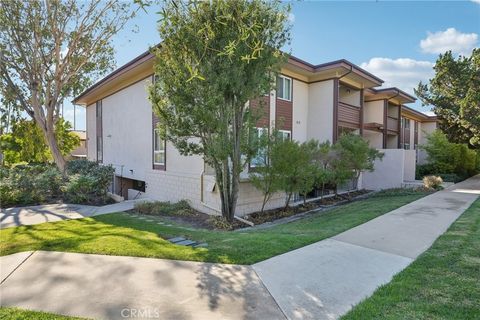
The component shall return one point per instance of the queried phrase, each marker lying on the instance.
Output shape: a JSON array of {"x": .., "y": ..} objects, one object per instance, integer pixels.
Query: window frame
[
  {"x": 159, "y": 165},
  {"x": 259, "y": 131},
  {"x": 284, "y": 87},
  {"x": 289, "y": 132}
]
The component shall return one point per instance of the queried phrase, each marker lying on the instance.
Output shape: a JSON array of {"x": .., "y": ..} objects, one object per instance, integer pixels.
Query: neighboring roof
[{"x": 422, "y": 116}]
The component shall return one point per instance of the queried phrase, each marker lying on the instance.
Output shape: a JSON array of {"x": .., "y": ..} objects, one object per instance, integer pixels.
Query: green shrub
[
  {"x": 451, "y": 177},
  {"x": 181, "y": 208},
  {"x": 432, "y": 182},
  {"x": 80, "y": 189}
]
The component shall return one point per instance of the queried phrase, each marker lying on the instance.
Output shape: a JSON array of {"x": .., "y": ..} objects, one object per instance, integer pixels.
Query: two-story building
[{"x": 310, "y": 102}]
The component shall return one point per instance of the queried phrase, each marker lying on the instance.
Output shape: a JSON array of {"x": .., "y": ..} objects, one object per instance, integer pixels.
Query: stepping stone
[
  {"x": 160, "y": 223},
  {"x": 186, "y": 243},
  {"x": 176, "y": 239},
  {"x": 148, "y": 220},
  {"x": 201, "y": 245}
]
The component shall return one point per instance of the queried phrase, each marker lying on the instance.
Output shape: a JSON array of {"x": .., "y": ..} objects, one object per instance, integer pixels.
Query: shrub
[
  {"x": 181, "y": 208},
  {"x": 80, "y": 189},
  {"x": 432, "y": 182}
]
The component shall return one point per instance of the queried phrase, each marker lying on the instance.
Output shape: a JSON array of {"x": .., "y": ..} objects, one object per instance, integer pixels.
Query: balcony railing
[{"x": 392, "y": 124}]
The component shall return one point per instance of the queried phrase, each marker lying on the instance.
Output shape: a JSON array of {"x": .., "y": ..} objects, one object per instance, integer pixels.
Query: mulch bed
[
  {"x": 274, "y": 214},
  {"x": 200, "y": 220}
]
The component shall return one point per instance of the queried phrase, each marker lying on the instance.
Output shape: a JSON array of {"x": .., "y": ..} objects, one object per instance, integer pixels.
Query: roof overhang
[
  {"x": 417, "y": 115},
  {"x": 344, "y": 69},
  {"x": 131, "y": 72},
  {"x": 392, "y": 94}
]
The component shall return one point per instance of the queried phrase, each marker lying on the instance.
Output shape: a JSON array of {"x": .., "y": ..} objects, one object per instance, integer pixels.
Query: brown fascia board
[
  {"x": 395, "y": 92},
  {"x": 334, "y": 64},
  {"x": 419, "y": 114},
  {"x": 147, "y": 55}
]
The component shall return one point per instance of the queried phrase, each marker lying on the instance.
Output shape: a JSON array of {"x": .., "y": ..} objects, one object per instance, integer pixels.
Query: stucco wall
[
  {"x": 374, "y": 138},
  {"x": 320, "y": 111},
  {"x": 391, "y": 171},
  {"x": 373, "y": 112},
  {"x": 300, "y": 111},
  {"x": 91, "y": 133},
  {"x": 127, "y": 131},
  {"x": 425, "y": 129}
]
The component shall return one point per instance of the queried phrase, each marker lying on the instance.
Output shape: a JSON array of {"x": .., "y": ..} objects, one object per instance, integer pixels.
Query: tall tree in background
[
  {"x": 53, "y": 49},
  {"x": 215, "y": 57},
  {"x": 454, "y": 93}
]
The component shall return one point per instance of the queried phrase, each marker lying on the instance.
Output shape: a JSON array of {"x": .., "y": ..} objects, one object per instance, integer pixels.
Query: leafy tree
[
  {"x": 25, "y": 142},
  {"x": 323, "y": 157},
  {"x": 50, "y": 50},
  {"x": 454, "y": 93},
  {"x": 356, "y": 155},
  {"x": 264, "y": 176},
  {"x": 447, "y": 157},
  {"x": 214, "y": 58},
  {"x": 292, "y": 163}
]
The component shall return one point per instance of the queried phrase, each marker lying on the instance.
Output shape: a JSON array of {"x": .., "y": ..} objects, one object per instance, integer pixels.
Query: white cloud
[
  {"x": 476, "y": 1},
  {"x": 403, "y": 73},
  {"x": 450, "y": 39}
]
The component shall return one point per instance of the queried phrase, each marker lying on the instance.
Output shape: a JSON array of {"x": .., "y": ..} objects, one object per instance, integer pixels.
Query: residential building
[{"x": 311, "y": 102}]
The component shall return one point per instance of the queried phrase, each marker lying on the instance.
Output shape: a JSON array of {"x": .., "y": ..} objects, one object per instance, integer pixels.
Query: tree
[
  {"x": 263, "y": 176},
  {"x": 292, "y": 163},
  {"x": 323, "y": 157},
  {"x": 356, "y": 155},
  {"x": 25, "y": 142},
  {"x": 214, "y": 58},
  {"x": 454, "y": 93},
  {"x": 50, "y": 50}
]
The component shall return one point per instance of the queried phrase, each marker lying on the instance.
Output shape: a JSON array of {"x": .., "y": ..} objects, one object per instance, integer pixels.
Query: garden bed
[{"x": 182, "y": 213}]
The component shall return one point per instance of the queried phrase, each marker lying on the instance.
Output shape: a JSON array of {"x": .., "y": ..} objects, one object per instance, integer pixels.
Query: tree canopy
[
  {"x": 454, "y": 93},
  {"x": 214, "y": 58},
  {"x": 51, "y": 50}
]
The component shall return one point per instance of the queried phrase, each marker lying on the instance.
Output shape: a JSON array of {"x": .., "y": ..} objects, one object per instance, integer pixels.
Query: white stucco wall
[
  {"x": 300, "y": 111},
  {"x": 374, "y": 138},
  {"x": 320, "y": 111},
  {"x": 91, "y": 133},
  {"x": 127, "y": 131},
  {"x": 391, "y": 171},
  {"x": 425, "y": 129}
]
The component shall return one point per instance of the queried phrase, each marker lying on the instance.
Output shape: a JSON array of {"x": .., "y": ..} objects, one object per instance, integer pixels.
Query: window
[
  {"x": 260, "y": 159},
  {"x": 284, "y": 88},
  {"x": 284, "y": 135},
  {"x": 406, "y": 146},
  {"x": 99, "y": 124},
  {"x": 406, "y": 123},
  {"x": 158, "y": 149}
]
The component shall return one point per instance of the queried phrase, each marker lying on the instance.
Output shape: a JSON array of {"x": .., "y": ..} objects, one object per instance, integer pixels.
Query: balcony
[
  {"x": 392, "y": 124},
  {"x": 348, "y": 115}
]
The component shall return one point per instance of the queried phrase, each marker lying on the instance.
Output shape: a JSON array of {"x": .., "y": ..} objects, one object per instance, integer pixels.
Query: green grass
[
  {"x": 20, "y": 314},
  {"x": 121, "y": 234},
  {"x": 443, "y": 283}
]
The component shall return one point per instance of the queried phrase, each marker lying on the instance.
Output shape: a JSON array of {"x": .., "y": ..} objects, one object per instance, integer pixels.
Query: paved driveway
[{"x": 324, "y": 280}]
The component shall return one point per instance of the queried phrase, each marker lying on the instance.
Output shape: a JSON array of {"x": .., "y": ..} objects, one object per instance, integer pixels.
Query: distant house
[
  {"x": 311, "y": 102},
  {"x": 81, "y": 150}
]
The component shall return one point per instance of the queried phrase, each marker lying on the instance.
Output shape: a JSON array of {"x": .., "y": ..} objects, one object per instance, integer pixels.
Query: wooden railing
[
  {"x": 392, "y": 123},
  {"x": 348, "y": 114}
]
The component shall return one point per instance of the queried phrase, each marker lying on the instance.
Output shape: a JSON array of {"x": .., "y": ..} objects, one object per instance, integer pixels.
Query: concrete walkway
[
  {"x": 20, "y": 216},
  {"x": 319, "y": 281},
  {"x": 110, "y": 287},
  {"x": 325, "y": 279}
]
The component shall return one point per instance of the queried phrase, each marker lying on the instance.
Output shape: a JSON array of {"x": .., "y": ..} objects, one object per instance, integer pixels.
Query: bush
[
  {"x": 432, "y": 182},
  {"x": 86, "y": 182},
  {"x": 181, "y": 208}
]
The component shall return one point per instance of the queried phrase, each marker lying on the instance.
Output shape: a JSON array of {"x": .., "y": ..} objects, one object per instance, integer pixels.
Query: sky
[{"x": 397, "y": 41}]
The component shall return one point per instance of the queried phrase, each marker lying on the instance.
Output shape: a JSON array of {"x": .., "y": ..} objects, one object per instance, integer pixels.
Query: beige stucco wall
[
  {"x": 91, "y": 133},
  {"x": 300, "y": 111},
  {"x": 320, "y": 111},
  {"x": 391, "y": 171},
  {"x": 374, "y": 138},
  {"x": 425, "y": 129},
  {"x": 348, "y": 95},
  {"x": 373, "y": 112}
]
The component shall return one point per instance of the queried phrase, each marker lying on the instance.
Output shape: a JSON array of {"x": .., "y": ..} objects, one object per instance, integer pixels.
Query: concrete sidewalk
[
  {"x": 110, "y": 287},
  {"x": 325, "y": 279},
  {"x": 20, "y": 216}
]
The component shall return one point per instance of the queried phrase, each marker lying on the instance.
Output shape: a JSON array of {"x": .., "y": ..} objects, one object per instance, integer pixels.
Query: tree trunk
[
  {"x": 55, "y": 150},
  {"x": 287, "y": 203}
]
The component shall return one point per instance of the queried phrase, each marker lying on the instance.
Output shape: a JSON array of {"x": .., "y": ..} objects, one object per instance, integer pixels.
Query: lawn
[
  {"x": 443, "y": 283},
  {"x": 123, "y": 234},
  {"x": 20, "y": 314}
]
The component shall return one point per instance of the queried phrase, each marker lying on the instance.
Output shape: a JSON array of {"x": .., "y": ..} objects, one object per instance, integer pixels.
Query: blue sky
[{"x": 396, "y": 40}]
